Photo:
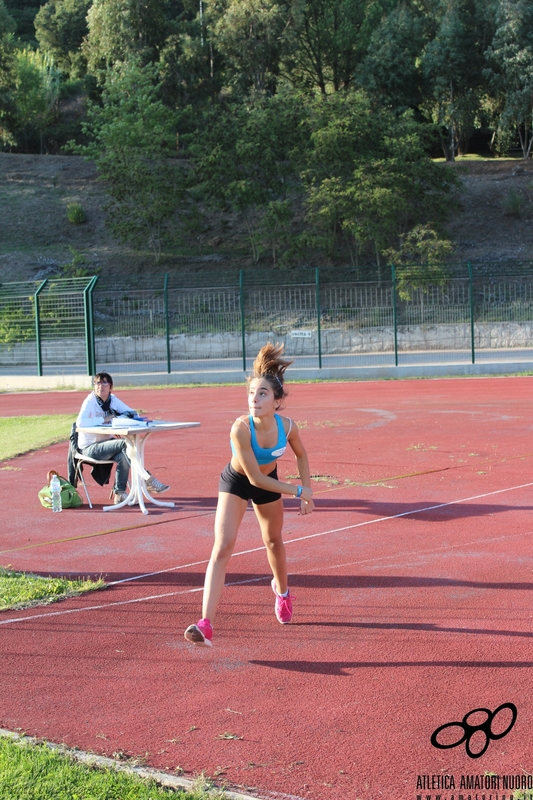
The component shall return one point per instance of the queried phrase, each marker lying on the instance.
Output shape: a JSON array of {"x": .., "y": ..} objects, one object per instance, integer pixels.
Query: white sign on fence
[{"x": 301, "y": 334}]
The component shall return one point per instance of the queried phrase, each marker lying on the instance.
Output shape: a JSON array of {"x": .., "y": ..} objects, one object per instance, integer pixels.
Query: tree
[
  {"x": 60, "y": 27},
  {"x": 326, "y": 39},
  {"x": 274, "y": 227},
  {"x": 420, "y": 261},
  {"x": 187, "y": 73},
  {"x": 132, "y": 141},
  {"x": 453, "y": 64},
  {"x": 368, "y": 176},
  {"x": 120, "y": 30},
  {"x": 190, "y": 70},
  {"x": 248, "y": 34},
  {"x": 241, "y": 157},
  {"x": 7, "y": 22},
  {"x": 36, "y": 93},
  {"x": 390, "y": 71},
  {"x": 23, "y": 12},
  {"x": 511, "y": 71},
  {"x": 7, "y": 76}
]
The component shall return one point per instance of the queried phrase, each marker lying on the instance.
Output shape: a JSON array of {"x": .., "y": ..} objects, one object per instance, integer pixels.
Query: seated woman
[{"x": 102, "y": 404}]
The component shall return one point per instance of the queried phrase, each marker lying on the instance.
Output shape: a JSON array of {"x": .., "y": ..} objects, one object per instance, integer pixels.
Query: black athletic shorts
[{"x": 233, "y": 482}]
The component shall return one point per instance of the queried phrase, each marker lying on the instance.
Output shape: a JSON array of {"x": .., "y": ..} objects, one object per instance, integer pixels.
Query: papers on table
[{"x": 127, "y": 422}]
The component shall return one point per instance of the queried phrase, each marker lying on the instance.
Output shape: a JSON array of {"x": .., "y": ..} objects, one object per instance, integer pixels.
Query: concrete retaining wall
[{"x": 228, "y": 345}]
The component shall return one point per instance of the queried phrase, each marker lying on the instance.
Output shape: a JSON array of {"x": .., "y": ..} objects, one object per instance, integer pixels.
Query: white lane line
[
  {"x": 105, "y": 606},
  {"x": 326, "y": 533}
]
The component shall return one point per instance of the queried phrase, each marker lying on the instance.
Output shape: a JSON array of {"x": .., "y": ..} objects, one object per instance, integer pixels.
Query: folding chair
[{"x": 80, "y": 461}]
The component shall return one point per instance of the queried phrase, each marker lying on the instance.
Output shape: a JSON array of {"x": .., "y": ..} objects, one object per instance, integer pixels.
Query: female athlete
[{"x": 257, "y": 441}]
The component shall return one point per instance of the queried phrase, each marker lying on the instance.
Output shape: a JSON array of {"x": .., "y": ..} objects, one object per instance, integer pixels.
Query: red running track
[{"x": 413, "y": 583}]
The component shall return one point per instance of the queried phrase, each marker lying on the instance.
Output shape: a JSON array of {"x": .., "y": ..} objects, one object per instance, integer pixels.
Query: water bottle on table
[{"x": 55, "y": 488}]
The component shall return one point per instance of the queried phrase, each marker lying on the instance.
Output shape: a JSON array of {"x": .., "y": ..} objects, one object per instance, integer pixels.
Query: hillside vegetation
[
  {"x": 38, "y": 240},
  {"x": 285, "y": 133}
]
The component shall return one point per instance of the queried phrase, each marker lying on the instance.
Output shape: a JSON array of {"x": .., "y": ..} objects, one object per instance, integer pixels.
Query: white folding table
[{"x": 135, "y": 435}]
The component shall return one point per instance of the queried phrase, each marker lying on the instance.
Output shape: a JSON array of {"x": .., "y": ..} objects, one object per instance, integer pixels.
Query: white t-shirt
[{"x": 91, "y": 413}]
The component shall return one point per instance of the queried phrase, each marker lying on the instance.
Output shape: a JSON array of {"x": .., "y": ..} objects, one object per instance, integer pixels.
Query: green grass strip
[
  {"x": 19, "y": 435},
  {"x": 31, "y": 771},
  {"x": 23, "y": 590}
]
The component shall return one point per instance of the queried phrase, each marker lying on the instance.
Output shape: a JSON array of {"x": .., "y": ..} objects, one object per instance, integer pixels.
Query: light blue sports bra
[{"x": 265, "y": 455}]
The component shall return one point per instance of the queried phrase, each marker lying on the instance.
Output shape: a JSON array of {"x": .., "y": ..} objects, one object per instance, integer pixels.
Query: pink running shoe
[
  {"x": 282, "y": 606},
  {"x": 201, "y": 633}
]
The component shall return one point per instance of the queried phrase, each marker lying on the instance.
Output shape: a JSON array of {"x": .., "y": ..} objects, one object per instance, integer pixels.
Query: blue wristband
[{"x": 299, "y": 492}]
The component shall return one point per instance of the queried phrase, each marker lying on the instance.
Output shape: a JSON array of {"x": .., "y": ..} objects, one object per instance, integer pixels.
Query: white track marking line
[
  {"x": 105, "y": 606},
  {"x": 326, "y": 533}
]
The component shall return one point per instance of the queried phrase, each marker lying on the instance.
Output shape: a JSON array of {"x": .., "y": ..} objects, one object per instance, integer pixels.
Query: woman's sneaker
[
  {"x": 119, "y": 497},
  {"x": 283, "y": 605},
  {"x": 201, "y": 633},
  {"x": 155, "y": 486}
]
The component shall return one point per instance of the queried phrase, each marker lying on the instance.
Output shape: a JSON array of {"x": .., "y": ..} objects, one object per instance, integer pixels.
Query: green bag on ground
[{"x": 70, "y": 497}]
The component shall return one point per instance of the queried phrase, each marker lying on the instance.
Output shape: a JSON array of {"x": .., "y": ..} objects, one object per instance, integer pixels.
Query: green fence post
[
  {"x": 38, "y": 327},
  {"x": 318, "y": 315},
  {"x": 90, "y": 349},
  {"x": 243, "y": 323},
  {"x": 167, "y": 321},
  {"x": 471, "y": 296},
  {"x": 394, "y": 315},
  {"x": 93, "y": 342}
]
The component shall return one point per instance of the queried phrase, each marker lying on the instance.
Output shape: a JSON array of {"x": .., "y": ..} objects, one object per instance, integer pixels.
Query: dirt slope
[
  {"x": 35, "y": 236},
  {"x": 488, "y": 225}
]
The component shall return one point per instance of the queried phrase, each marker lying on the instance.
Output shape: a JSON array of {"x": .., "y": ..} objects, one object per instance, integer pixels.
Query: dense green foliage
[
  {"x": 132, "y": 138},
  {"x": 313, "y": 120}
]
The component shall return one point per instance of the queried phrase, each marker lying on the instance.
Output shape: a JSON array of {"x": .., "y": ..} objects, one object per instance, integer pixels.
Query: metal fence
[
  {"x": 324, "y": 318},
  {"x": 46, "y": 324}
]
